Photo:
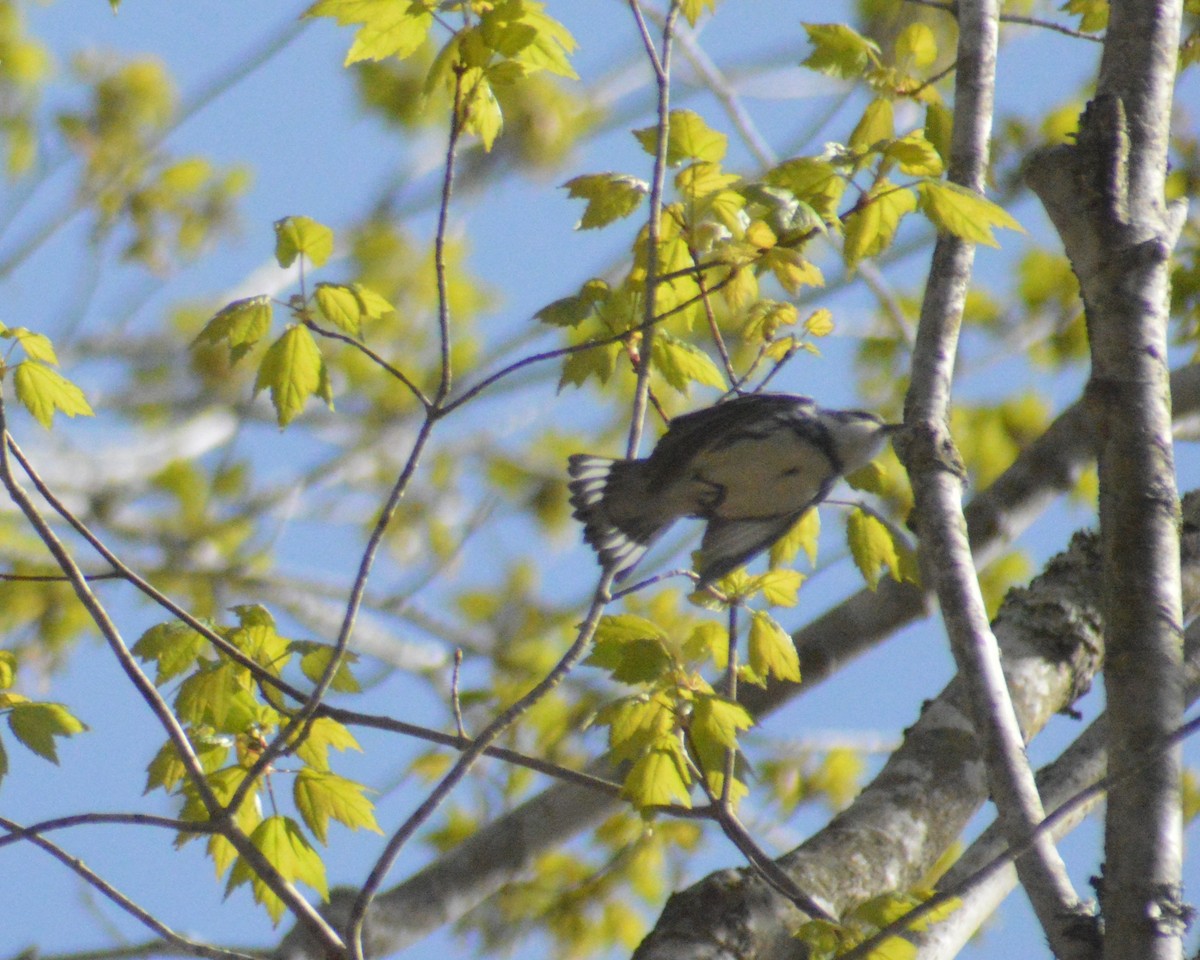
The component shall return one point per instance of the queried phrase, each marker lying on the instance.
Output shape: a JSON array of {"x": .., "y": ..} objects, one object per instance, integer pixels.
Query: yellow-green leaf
[
  {"x": 281, "y": 841},
  {"x": 37, "y": 346},
  {"x": 962, "y": 212},
  {"x": 916, "y": 48},
  {"x": 659, "y": 777},
  {"x": 341, "y": 306},
  {"x": 293, "y": 370},
  {"x": 44, "y": 392},
  {"x": 870, "y": 229},
  {"x": 320, "y": 795},
  {"x": 599, "y": 362},
  {"x": 688, "y": 138},
  {"x": 8, "y": 669},
  {"x": 877, "y": 125},
  {"x": 804, "y": 535},
  {"x": 693, "y": 8},
  {"x": 609, "y": 196},
  {"x": 173, "y": 646},
  {"x": 324, "y": 733},
  {"x": 772, "y": 652},
  {"x": 718, "y": 720},
  {"x": 37, "y": 724},
  {"x": 241, "y": 324},
  {"x": 839, "y": 51},
  {"x": 779, "y": 587},
  {"x": 871, "y": 546},
  {"x": 819, "y": 323},
  {"x": 316, "y": 658},
  {"x": 481, "y": 111},
  {"x": 916, "y": 156},
  {"x": 302, "y": 235},
  {"x": 390, "y": 28},
  {"x": 682, "y": 364},
  {"x": 372, "y": 304}
]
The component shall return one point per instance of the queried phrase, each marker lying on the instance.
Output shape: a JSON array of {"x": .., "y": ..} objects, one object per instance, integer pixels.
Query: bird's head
[{"x": 858, "y": 436}]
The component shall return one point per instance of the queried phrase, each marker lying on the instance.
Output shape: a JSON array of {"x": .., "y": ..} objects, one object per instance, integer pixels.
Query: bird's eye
[{"x": 791, "y": 472}]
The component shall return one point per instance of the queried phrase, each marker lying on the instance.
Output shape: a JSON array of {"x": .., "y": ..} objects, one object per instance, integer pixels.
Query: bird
[{"x": 750, "y": 466}]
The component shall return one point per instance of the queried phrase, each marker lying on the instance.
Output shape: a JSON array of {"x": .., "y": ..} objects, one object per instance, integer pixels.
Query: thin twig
[
  {"x": 373, "y": 356},
  {"x": 98, "y": 883},
  {"x": 221, "y": 816},
  {"x": 952, "y": 8},
  {"x": 661, "y": 63},
  {"x": 467, "y": 760},
  {"x": 456, "y": 703},
  {"x": 439, "y": 243}
]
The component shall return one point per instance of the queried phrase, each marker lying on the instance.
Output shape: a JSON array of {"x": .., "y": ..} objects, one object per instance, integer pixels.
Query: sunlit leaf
[
  {"x": 688, "y": 138},
  {"x": 962, "y": 212},
  {"x": 609, "y": 196},
  {"x": 44, "y": 392},
  {"x": 293, "y": 370},
  {"x": 772, "y": 652},
  {"x": 37, "y": 724},
  {"x": 871, "y": 545},
  {"x": 296, "y": 236},
  {"x": 320, "y": 796}
]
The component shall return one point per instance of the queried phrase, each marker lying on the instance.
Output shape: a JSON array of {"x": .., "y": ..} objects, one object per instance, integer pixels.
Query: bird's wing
[
  {"x": 727, "y": 544},
  {"x": 694, "y": 432}
]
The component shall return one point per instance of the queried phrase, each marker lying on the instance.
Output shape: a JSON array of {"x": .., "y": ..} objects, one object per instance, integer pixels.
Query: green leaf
[
  {"x": 302, "y": 235},
  {"x": 772, "y": 652},
  {"x": 659, "y": 776},
  {"x": 167, "y": 769},
  {"x": 8, "y": 669},
  {"x": 565, "y": 312},
  {"x": 682, "y": 364},
  {"x": 315, "y": 659},
  {"x": 340, "y": 305},
  {"x": 916, "y": 156},
  {"x": 610, "y": 196},
  {"x": 281, "y": 841},
  {"x": 37, "y": 346},
  {"x": 293, "y": 369},
  {"x": 481, "y": 111},
  {"x": 636, "y": 660},
  {"x": 636, "y": 722},
  {"x": 631, "y": 648},
  {"x": 320, "y": 795},
  {"x": 241, "y": 324},
  {"x": 173, "y": 646},
  {"x": 372, "y": 304},
  {"x": 1093, "y": 14},
  {"x": 779, "y": 587},
  {"x": 693, "y": 8},
  {"x": 218, "y": 695},
  {"x": 872, "y": 546},
  {"x": 324, "y": 733},
  {"x": 839, "y": 51},
  {"x": 3, "y": 761},
  {"x": 717, "y": 720},
  {"x": 939, "y": 124},
  {"x": 916, "y": 48},
  {"x": 871, "y": 228},
  {"x": 43, "y": 392},
  {"x": 688, "y": 138},
  {"x": 37, "y": 724},
  {"x": 877, "y": 125},
  {"x": 962, "y": 212},
  {"x": 390, "y": 28},
  {"x": 599, "y": 362}
]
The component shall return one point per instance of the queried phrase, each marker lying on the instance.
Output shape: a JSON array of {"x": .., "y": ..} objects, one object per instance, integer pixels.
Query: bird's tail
[{"x": 611, "y": 498}]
